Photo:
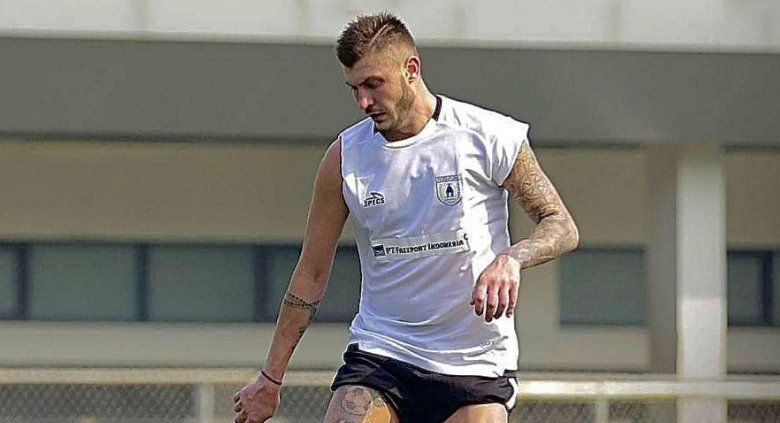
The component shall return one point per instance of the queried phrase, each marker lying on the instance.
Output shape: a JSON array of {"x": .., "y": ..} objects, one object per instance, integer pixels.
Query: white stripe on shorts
[{"x": 515, "y": 388}]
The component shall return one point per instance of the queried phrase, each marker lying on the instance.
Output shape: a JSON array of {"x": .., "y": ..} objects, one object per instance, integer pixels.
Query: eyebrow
[{"x": 362, "y": 82}]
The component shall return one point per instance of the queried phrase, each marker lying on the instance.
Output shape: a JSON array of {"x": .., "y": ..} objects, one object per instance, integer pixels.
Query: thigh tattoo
[{"x": 357, "y": 403}]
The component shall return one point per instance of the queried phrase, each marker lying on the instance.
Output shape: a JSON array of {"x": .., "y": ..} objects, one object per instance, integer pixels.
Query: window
[
  {"x": 184, "y": 283},
  {"x": 745, "y": 288},
  {"x": 280, "y": 263},
  {"x": 775, "y": 288},
  {"x": 343, "y": 294},
  {"x": 752, "y": 288},
  {"x": 603, "y": 286},
  {"x": 201, "y": 283},
  {"x": 235, "y": 283},
  {"x": 82, "y": 282},
  {"x": 8, "y": 289},
  {"x": 607, "y": 286}
]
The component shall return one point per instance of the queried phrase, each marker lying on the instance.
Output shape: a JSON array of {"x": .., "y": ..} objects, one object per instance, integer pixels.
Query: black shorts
[{"x": 420, "y": 395}]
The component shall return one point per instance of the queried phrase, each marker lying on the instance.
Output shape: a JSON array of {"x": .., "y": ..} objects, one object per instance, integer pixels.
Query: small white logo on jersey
[
  {"x": 374, "y": 199},
  {"x": 449, "y": 188}
]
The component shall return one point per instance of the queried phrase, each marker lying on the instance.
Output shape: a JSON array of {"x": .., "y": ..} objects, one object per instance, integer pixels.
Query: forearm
[
  {"x": 296, "y": 313},
  {"x": 554, "y": 235},
  {"x": 555, "y": 232}
]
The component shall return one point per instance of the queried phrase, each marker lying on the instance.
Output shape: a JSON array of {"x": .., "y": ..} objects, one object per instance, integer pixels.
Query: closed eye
[
  {"x": 370, "y": 83},
  {"x": 373, "y": 84}
]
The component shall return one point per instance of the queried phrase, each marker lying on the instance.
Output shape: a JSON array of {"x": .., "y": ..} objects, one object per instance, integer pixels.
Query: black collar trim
[{"x": 437, "y": 110}]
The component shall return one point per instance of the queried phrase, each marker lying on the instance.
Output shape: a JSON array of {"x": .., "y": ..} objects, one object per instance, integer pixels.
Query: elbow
[
  {"x": 315, "y": 278},
  {"x": 321, "y": 280},
  {"x": 311, "y": 278},
  {"x": 573, "y": 239}
]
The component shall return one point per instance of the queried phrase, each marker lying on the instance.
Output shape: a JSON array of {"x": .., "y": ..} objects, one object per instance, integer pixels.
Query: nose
[{"x": 364, "y": 99}]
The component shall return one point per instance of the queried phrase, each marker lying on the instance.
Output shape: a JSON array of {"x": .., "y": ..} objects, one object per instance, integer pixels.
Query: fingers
[
  {"x": 241, "y": 418},
  {"x": 503, "y": 300},
  {"x": 510, "y": 308},
  {"x": 478, "y": 297},
  {"x": 494, "y": 298},
  {"x": 492, "y": 302},
  {"x": 256, "y": 402}
]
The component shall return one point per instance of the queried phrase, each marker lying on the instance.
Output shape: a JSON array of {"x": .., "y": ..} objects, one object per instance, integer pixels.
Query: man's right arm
[
  {"x": 257, "y": 401},
  {"x": 327, "y": 214}
]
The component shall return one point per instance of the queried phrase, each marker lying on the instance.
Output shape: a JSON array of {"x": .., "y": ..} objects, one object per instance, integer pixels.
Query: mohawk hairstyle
[{"x": 368, "y": 33}]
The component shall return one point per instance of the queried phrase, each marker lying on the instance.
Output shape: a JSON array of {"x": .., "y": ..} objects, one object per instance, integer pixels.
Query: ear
[{"x": 413, "y": 68}]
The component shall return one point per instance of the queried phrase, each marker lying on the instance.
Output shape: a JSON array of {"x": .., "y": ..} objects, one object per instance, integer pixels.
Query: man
[{"x": 426, "y": 179}]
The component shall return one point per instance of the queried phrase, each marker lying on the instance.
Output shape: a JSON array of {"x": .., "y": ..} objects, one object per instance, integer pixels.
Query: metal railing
[{"x": 204, "y": 396}]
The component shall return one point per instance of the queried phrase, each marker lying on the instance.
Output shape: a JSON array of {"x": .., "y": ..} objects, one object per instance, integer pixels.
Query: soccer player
[{"x": 426, "y": 179}]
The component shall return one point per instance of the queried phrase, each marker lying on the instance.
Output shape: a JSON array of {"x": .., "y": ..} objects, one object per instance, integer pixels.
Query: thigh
[
  {"x": 480, "y": 413},
  {"x": 359, "y": 404}
]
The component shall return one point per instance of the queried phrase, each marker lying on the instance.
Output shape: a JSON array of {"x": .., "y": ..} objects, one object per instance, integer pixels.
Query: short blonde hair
[{"x": 369, "y": 33}]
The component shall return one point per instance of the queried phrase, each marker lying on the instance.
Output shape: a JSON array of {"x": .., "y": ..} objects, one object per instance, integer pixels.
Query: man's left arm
[{"x": 554, "y": 234}]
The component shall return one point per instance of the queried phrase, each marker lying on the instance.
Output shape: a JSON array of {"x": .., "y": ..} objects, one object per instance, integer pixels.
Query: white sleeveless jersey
[{"x": 430, "y": 215}]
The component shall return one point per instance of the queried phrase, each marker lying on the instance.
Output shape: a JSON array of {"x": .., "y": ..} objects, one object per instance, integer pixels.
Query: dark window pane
[
  {"x": 7, "y": 282},
  {"x": 281, "y": 262},
  {"x": 343, "y": 294},
  {"x": 744, "y": 272},
  {"x": 201, "y": 283},
  {"x": 776, "y": 288},
  {"x": 82, "y": 282},
  {"x": 603, "y": 287}
]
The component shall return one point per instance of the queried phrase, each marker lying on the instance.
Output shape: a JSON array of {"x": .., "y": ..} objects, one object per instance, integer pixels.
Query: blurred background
[{"x": 156, "y": 165}]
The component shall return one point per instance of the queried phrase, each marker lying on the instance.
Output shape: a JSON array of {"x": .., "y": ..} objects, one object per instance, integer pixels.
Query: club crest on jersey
[
  {"x": 449, "y": 189},
  {"x": 373, "y": 199}
]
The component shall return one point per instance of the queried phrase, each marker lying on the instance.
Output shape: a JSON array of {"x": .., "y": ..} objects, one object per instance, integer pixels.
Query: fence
[{"x": 204, "y": 396}]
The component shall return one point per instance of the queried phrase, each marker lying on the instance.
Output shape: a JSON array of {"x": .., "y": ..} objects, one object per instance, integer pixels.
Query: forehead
[{"x": 375, "y": 64}]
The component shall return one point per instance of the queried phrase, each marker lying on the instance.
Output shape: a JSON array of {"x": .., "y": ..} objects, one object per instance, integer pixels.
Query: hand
[
  {"x": 496, "y": 288},
  {"x": 256, "y": 402}
]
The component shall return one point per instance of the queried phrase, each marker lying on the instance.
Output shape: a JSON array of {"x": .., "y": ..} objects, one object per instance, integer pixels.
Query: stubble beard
[{"x": 403, "y": 107}]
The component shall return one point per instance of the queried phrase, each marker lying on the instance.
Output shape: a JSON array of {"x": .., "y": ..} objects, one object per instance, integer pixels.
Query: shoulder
[
  {"x": 488, "y": 124},
  {"x": 330, "y": 165}
]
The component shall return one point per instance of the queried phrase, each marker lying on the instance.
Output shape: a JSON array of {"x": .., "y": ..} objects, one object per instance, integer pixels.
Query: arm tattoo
[
  {"x": 293, "y": 300},
  {"x": 555, "y": 232}
]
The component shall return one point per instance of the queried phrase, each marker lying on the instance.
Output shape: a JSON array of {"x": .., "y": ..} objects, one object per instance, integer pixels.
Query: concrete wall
[
  {"x": 141, "y": 191},
  {"x": 257, "y": 193},
  {"x": 694, "y": 24},
  {"x": 143, "y": 90}
]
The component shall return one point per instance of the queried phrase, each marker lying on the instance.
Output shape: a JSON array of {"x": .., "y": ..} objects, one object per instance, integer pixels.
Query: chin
[{"x": 383, "y": 125}]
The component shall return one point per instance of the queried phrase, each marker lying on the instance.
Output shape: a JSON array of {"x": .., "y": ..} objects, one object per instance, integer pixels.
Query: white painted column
[
  {"x": 701, "y": 276},
  {"x": 686, "y": 254},
  {"x": 204, "y": 403}
]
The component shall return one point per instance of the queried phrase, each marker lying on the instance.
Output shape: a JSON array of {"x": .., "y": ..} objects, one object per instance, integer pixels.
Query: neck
[{"x": 418, "y": 116}]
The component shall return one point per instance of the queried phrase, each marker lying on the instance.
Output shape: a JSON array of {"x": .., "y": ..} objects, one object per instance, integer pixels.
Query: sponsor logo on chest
[{"x": 420, "y": 246}]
